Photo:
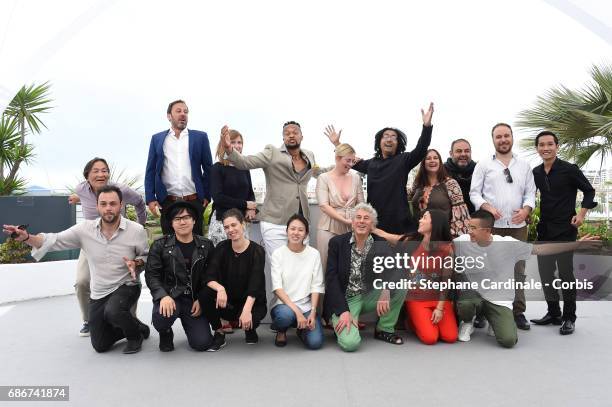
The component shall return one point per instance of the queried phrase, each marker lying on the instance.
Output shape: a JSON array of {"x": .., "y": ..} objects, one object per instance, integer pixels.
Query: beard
[
  {"x": 179, "y": 125},
  {"x": 461, "y": 163},
  {"x": 110, "y": 218},
  {"x": 295, "y": 146},
  {"x": 503, "y": 149}
]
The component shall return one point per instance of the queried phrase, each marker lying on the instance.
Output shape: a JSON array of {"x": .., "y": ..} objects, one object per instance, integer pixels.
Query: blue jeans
[{"x": 283, "y": 318}]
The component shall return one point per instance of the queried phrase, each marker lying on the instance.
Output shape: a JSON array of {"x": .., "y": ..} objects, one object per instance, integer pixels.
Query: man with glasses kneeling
[{"x": 174, "y": 274}]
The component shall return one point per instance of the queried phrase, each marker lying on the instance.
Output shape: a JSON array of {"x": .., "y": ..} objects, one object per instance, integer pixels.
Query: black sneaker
[
  {"x": 144, "y": 330},
  {"x": 480, "y": 322},
  {"x": 217, "y": 343},
  {"x": 133, "y": 345},
  {"x": 84, "y": 330},
  {"x": 250, "y": 337},
  {"x": 166, "y": 338},
  {"x": 521, "y": 322}
]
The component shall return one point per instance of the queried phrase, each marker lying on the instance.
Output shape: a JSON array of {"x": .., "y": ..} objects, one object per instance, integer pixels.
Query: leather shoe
[
  {"x": 166, "y": 340},
  {"x": 133, "y": 345},
  {"x": 144, "y": 330},
  {"x": 567, "y": 328},
  {"x": 547, "y": 320},
  {"x": 521, "y": 322}
]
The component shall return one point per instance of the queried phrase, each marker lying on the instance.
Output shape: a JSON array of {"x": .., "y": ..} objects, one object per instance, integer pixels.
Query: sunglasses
[{"x": 508, "y": 176}]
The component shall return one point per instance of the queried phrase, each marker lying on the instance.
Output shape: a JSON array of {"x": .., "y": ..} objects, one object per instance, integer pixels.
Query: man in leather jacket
[{"x": 174, "y": 274}]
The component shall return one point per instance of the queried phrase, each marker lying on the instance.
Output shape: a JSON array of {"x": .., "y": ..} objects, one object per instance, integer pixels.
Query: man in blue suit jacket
[{"x": 178, "y": 167}]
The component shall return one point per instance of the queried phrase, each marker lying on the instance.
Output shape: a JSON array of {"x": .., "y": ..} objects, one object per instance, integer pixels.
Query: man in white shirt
[
  {"x": 492, "y": 259},
  {"x": 503, "y": 185},
  {"x": 178, "y": 167}
]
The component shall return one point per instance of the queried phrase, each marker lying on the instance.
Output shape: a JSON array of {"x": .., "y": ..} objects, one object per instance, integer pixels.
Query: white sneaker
[
  {"x": 465, "y": 331},
  {"x": 490, "y": 331}
]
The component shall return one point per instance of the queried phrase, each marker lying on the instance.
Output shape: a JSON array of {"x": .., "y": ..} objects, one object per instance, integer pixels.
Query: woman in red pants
[{"x": 429, "y": 312}]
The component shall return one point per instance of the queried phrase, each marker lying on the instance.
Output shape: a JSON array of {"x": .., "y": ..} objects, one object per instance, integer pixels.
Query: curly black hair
[{"x": 401, "y": 141}]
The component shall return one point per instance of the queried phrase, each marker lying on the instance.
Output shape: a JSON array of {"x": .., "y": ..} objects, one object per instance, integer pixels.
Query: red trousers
[{"x": 419, "y": 314}]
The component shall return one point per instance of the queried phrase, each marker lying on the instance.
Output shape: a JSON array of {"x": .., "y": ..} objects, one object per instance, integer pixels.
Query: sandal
[
  {"x": 389, "y": 337},
  {"x": 278, "y": 342}
]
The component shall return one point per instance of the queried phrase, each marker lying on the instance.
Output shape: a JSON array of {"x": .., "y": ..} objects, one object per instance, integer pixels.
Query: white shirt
[
  {"x": 176, "y": 174},
  {"x": 489, "y": 185},
  {"x": 499, "y": 259},
  {"x": 298, "y": 274}
]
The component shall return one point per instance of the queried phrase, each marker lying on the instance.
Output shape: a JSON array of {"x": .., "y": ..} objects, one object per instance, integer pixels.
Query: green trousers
[
  {"x": 501, "y": 318},
  {"x": 349, "y": 341}
]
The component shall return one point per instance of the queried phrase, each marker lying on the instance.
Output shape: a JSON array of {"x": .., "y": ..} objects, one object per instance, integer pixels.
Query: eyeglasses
[
  {"x": 389, "y": 137},
  {"x": 471, "y": 228},
  {"x": 508, "y": 176},
  {"x": 104, "y": 171},
  {"x": 185, "y": 218}
]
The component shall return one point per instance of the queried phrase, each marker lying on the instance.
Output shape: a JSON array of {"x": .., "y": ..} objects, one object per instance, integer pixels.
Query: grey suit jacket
[{"x": 285, "y": 190}]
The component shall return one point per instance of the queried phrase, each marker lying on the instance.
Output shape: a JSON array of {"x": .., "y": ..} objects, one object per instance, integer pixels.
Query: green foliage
[
  {"x": 600, "y": 229},
  {"x": 19, "y": 119},
  {"x": 130, "y": 213},
  {"x": 13, "y": 251},
  {"x": 582, "y": 119},
  {"x": 534, "y": 220}
]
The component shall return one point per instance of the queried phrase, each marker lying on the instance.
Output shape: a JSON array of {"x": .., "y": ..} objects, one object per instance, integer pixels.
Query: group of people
[{"x": 454, "y": 208}]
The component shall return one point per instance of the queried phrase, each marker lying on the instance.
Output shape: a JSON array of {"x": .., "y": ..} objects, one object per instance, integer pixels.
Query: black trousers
[
  {"x": 547, "y": 265},
  {"x": 208, "y": 299},
  {"x": 197, "y": 329},
  {"x": 167, "y": 226},
  {"x": 110, "y": 319}
]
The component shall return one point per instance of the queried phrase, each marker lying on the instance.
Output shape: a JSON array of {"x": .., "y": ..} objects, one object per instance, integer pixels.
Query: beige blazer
[{"x": 285, "y": 191}]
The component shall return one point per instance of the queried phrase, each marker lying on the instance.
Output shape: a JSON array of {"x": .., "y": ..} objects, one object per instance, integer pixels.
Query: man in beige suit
[{"x": 287, "y": 169}]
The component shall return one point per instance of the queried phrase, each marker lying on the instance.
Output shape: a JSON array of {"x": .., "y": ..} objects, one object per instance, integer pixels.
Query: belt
[{"x": 174, "y": 198}]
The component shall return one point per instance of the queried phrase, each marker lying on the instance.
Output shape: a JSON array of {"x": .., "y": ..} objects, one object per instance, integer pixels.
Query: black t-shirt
[{"x": 187, "y": 250}]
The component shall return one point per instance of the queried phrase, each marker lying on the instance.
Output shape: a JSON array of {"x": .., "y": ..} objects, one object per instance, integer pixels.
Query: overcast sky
[{"x": 114, "y": 67}]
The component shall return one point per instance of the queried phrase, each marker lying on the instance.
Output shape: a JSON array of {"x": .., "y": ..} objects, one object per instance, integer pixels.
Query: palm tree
[
  {"x": 20, "y": 118},
  {"x": 10, "y": 152},
  {"x": 582, "y": 119}
]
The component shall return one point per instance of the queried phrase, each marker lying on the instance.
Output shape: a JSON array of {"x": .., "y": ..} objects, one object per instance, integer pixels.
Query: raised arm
[
  {"x": 414, "y": 157},
  {"x": 46, "y": 242},
  {"x": 245, "y": 162}
]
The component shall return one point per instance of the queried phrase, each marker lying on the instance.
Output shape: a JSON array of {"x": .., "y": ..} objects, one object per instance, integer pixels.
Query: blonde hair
[
  {"x": 220, "y": 154},
  {"x": 344, "y": 149}
]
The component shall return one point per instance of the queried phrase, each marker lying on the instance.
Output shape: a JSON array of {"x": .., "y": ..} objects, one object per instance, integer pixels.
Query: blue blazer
[{"x": 201, "y": 161}]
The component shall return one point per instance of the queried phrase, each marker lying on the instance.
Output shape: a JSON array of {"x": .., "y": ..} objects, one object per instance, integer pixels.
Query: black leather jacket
[{"x": 166, "y": 272}]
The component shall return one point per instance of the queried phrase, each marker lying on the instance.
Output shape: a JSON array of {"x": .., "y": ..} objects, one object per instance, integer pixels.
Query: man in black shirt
[
  {"x": 461, "y": 167},
  {"x": 388, "y": 174},
  {"x": 558, "y": 182},
  {"x": 175, "y": 274}
]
